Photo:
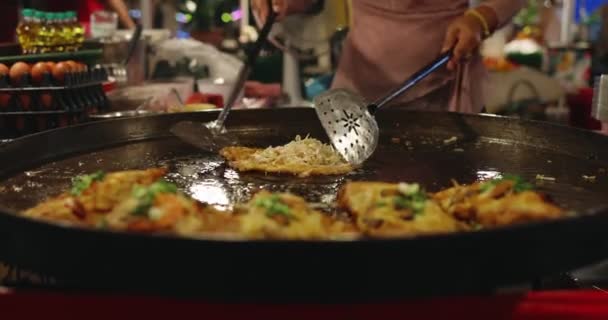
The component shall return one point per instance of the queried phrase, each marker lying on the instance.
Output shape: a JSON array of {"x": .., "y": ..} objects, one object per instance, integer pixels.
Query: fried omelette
[
  {"x": 390, "y": 209},
  {"x": 142, "y": 201},
  {"x": 160, "y": 207},
  {"x": 93, "y": 194},
  {"x": 498, "y": 202},
  {"x": 301, "y": 157},
  {"x": 138, "y": 200},
  {"x": 287, "y": 216}
]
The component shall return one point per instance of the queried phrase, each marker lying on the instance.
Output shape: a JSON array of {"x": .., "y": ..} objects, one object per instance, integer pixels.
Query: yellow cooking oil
[
  {"x": 77, "y": 30},
  {"x": 42, "y": 39},
  {"x": 65, "y": 33},
  {"x": 54, "y": 31},
  {"x": 24, "y": 30},
  {"x": 35, "y": 40},
  {"x": 70, "y": 31}
]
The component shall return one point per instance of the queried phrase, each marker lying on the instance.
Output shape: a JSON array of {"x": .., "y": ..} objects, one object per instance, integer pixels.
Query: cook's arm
[
  {"x": 499, "y": 12},
  {"x": 465, "y": 33}
]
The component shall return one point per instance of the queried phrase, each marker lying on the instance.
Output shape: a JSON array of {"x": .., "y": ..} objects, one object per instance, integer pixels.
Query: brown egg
[
  {"x": 3, "y": 69},
  {"x": 20, "y": 123},
  {"x": 50, "y": 64},
  {"x": 60, "y": 70},
  {"x": 4, "y": 96},
  {"x": 17, "y": 71},
  {"x": 25, "y": 100},
  {"x": 47, "y": 100},
  {"x": 73, "y": 65},
  {"x": 38, "y": 71}
]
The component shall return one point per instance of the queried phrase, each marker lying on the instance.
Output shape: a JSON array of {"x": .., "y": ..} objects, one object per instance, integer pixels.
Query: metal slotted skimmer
[
  {"x": 350, "y": 126},
  {"x": 349, "y": 121}
]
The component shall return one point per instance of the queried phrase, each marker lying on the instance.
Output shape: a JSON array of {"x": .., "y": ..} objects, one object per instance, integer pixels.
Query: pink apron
[{"x": 391, "y": 39}]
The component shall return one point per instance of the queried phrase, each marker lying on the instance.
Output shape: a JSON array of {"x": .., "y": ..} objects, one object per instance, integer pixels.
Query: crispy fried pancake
[
  {"x": 170, "y": 212},
  {"x": 390, "y": 209},
  {"x": 301, "y": 157},
  {"x": 96, "y": 197},
  {"x": 496, "y": 203},
  {"x": 141, "y": 201},
  {"x": 286, "y": 216}
]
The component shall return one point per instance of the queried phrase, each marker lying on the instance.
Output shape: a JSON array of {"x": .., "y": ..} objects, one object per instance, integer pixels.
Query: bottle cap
[
  {"x": 27, "y": 12},
  {"x": 39, "y": 14}
]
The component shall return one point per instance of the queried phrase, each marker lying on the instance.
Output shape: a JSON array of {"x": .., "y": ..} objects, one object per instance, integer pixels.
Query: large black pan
[{"x": 34, "y": 167}]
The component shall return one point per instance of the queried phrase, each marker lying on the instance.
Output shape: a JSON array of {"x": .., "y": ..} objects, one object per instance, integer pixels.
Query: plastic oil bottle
[
  {"x": 76, "y": 29},
  {"x": 64, "y": 33},
  {"x": 70, "y": 32},
  {"x": 55, "y": 29},
  {"x": 35, "y": 39},
  {"x": 53, "y": 36},
  {"x": 41, "y": 42},
  {"x": 24, "y": 31}
]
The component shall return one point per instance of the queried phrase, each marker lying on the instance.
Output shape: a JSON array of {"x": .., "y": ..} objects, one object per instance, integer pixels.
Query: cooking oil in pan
[{"x": 432, "y": 162}]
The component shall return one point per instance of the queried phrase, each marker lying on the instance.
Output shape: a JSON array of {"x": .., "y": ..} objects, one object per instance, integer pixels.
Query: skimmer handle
[
  {"x": 412, "y": 81},
  {"x": 252, "y": 56}
]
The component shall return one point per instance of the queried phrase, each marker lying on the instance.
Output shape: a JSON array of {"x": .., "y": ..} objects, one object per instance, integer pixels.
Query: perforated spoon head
[{"x": 350, "y": 126}]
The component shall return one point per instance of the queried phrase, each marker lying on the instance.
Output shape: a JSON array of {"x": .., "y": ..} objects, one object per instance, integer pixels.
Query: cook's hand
[
  {"x": 260, "y": 9},
  {"x": 464, "y": 35}
]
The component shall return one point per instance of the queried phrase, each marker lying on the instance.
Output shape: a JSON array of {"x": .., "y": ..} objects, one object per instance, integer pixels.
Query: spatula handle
[
  {"x": 257, "y": 46},
  {"x": 252, "y": 56},
  {"x": 412, "y": 81},
  {"x": 133, "y": 43}
]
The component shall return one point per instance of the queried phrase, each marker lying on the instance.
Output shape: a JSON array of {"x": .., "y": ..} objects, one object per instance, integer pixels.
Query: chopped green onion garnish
[
  {"x": 381, "y": 203},
  {"x": 81, "y": 183},
  {"x": 102, "y": 224},
  {"x": 476, "y": 226},
  {"x": 145, "y": 195},
  {"x": 415, "y": 201},
  {"x": 519, "y": 184},
  {"x": 274, "y": 206}
]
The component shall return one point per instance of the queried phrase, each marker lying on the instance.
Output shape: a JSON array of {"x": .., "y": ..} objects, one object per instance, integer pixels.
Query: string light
[
  {"x": 226, "y": 17},
  {"x": 191, "y": 5},
  {"x": 183, "y": 18}
]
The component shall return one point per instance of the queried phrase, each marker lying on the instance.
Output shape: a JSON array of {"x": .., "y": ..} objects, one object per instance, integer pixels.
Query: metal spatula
[
  {"x": 349, "y": 120},
  {"x": 212, "y": 136}
]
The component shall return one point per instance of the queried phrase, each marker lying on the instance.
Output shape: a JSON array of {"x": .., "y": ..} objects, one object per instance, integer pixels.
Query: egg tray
[
  {"x": 26, "y": 108},
  {"x": 77, "y": 92},
  {"x": 91, "y": 77},
  {"x": 14, "y": 126},
  {"x": 90, "y": 53}
]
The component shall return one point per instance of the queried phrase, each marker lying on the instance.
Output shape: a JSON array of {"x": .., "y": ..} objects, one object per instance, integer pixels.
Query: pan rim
[
  {"x": 382, "y": 111},
  {"x": 586, "y": 214}
]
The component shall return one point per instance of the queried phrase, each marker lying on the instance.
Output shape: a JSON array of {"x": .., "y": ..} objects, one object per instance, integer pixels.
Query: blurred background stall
[{"x": 540, "y": 66}]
